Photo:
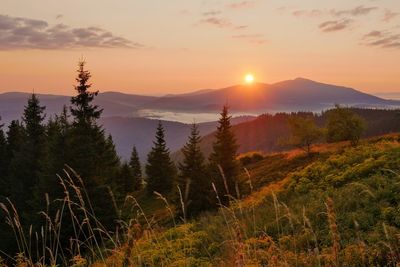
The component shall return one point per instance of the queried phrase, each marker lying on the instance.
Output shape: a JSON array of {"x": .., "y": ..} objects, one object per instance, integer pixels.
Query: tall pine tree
[
  {"x": 90, "y": 153},
  {"x": 57, "y": 131},
  {"x": 136, "y": 168},
  {"x": 83, "y": 110},
  {"x": 124, "y": 181},
  {"x": 25, "y": 165},
  {"x": 224, "y": 166},
  {"x": 160, "y": 169},
  {"x": 194, "y": 181}
]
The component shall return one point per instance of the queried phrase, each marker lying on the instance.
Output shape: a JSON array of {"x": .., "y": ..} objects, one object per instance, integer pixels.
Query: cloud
[
  {"x": 389, "y": 15},
  {"x": 335, "y": 25},
  {"x": 242, "y": 4},
  {"x": 252, "y": 38},
  {"x": 314, "y": 13},
  {"x": 357, "y": 11},
  {"x": 212, "y": 13},
  {"x": 382, "y": 39},
  {"x": 24, "y": 33},
  {"x": 221, "y": 23},
  {"x": 217, "y": 22}
]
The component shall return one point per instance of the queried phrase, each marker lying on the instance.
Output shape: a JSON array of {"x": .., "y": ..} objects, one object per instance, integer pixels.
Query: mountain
[
  {"x": 130, "y": 118},
  {"x": 255, "y": 99},
  {"x": 291, "y": 95},
  {"x": 112, "y": 103}
]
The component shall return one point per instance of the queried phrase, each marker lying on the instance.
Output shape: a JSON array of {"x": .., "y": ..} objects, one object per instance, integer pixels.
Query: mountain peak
[{"x": 301, "y": 79}]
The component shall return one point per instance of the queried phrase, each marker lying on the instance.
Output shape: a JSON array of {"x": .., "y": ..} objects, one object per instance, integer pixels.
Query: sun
[{"x": 249, "y": 78}]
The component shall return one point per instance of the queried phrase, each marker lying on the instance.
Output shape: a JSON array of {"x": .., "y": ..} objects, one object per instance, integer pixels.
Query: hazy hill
[
  {"x": 113, "y": 104},
  {"x": 266, "y": 132},
  {"x": 291, "y": 95},
  {"x": 121, "y": 111}
]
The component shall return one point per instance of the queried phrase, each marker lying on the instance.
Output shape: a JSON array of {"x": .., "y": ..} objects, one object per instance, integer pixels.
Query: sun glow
[{"x": 249, "y": 78}]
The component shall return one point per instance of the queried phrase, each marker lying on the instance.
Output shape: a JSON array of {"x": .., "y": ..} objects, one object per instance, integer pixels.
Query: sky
[{"x": 171, "y": 46}]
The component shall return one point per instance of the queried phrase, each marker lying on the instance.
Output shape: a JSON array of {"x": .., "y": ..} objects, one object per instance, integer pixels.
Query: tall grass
[{"x": 284, "y": 228}]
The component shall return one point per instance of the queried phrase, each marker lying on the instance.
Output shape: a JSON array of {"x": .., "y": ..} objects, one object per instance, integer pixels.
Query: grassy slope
[{"x": 285, "y": 220}]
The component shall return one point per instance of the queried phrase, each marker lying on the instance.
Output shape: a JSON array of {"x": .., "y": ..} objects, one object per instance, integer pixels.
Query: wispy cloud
[
  {"x": 217, "y": 22},
  {"x": 242, "y": 4},
  {"x": 314, "y": 13},
  {"x": 220, "y": 22},
  {"x": 356, "y": 11},
  {"x": 389, "y": 15},
  {"x": 252, "y": 38},
  {"x": 25, "y": 33},
  {"x": 335, "y": 25},
  {"x": 352, "y": 12},
  {"x": 212, "y": 13},
  {"x": 383, "y": 39}
]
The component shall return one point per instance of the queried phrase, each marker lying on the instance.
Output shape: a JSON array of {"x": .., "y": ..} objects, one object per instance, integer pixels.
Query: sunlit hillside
[{"x": 337, "y": 207}]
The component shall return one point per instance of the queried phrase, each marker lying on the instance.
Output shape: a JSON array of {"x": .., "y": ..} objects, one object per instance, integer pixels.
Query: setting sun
[{"x": 249, "y": 78}]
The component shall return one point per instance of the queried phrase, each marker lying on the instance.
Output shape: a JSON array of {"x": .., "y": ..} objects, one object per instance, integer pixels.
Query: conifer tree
[
  {"x": 90, "y": 153},
  {"x": 83, "y": 110},
  {"x": 136, "y": 168},
  {"x": 25, "y": 164},
  {"x": 125, "y": 181},
  {"x": 194, "y": 182},
  {"x": 160, "y": 169},
  {"x": 57, "y": 131},
  {"x": 15, "y": 137},
  {"x": 224, "y": 166}
]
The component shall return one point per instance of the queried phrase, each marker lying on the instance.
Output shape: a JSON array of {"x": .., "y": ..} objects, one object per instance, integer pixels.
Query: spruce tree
[
  {"x": 194, "y": 181},
  {"x": 57, "y": 130},
  {"x": 83, "y": 110},
  {"x": 160, "y": 169},
  {"x": 89, "y": 152},
  {"x": 136, "y": 168},
  {"x": 15, "y": 137},
  {"x": 26, "y": 163},
  {"x": 224, "y": 166},
  {"x": 125, "y": 181}
]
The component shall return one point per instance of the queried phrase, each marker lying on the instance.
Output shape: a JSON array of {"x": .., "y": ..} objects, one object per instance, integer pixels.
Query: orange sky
[{"x": 159, "y": 47}]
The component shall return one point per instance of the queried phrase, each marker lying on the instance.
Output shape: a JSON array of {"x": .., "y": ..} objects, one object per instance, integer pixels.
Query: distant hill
[
  {"x": 266, "y": 132},
  {"x": 292, "y": 95},
  {"x": 113, "y": 104},
  {"x": 128, "y": 117}
]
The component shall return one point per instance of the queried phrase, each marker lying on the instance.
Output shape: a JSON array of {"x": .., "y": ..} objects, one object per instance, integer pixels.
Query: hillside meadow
[{"x": 339, "y": 207}]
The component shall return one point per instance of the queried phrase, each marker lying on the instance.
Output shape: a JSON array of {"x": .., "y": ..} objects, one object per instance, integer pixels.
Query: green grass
[
  {"x": 339, "y": 207},
  {"x": 286, "y": 222}
]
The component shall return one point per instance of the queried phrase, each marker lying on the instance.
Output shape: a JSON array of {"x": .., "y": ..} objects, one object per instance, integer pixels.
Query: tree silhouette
[
  {"x": 223, "y": 163},
  {"x": 160, "y": 169},
  {"x": 136, "y": 168},
  {"x": 193, "y": 178}
]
